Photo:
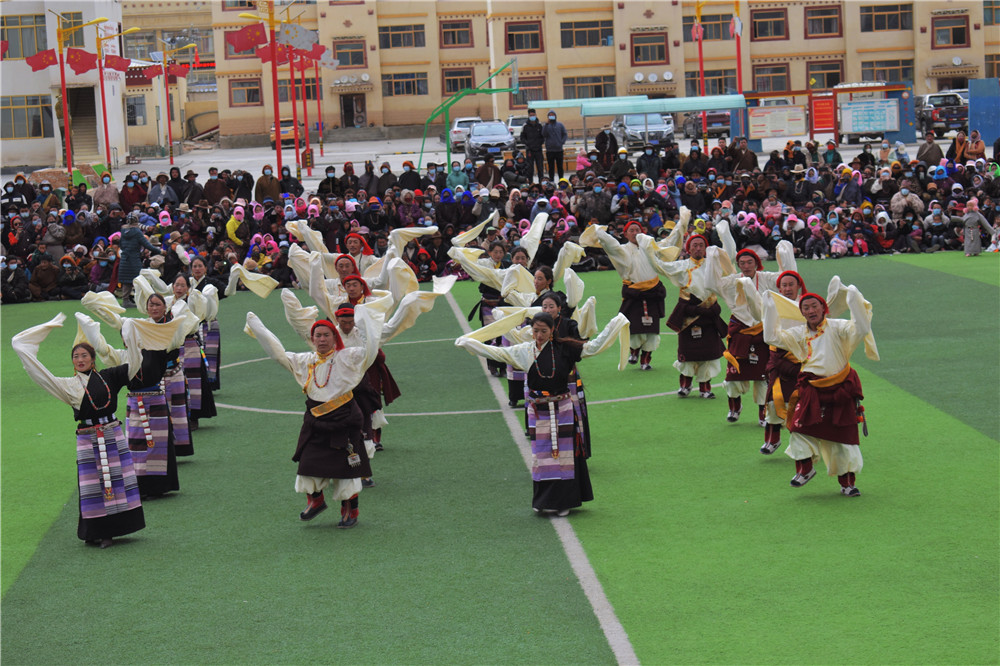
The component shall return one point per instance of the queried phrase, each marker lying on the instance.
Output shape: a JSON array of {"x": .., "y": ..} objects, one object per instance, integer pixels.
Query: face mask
[
  {"x": 267, "y": 172},
  {"x": 106, "y": 179},
  {"x": 797, "y": 149},
  {"x": 20, "y": 182},
  {"x": 868, "y": 150},
  {"x": 729, "y": 182},
  {"x": 213, "y": 177},
  {"x": 3, "y": 264},
  {"x": 649, "y": 152},
  {"x": 711, "y": 176},
  {"x": 286, "y": 173},
  {"x": 329, "y": 174},
  {"x": 67, "y": 265},
  {"x": 598, "y": 189},
  {"x": 532, "y": 118},
  {"x": 456, "y": 168},
  {"x": 144, "y": 180},
  {"x": 552, "y": 117},
  {"x": 622, "y": 157},
  {"x": 908, "y": 173},
  {"x": 607, "y": 131},
  {"x": 904, "y": 191},
  {"x": 431, "y": 172},
  {"x": 406, "y": 169},
  {"x": 130, "y": 184},
  {"x": 333, "y": 207},
  {"x": 884, "y": 146},
  {"x": 427, "y": 205},
  {"x": 9, "y": 189},
  {"x": 46, "y": 188},
  {"x": 384, "y": 170},
  {"x": 103, "y": 263},
  {"x": 24, "y": 216}
]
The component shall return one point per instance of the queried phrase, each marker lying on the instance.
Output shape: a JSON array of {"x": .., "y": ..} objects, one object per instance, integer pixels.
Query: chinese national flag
[
  {"x": 117, "y": 62},
  {"x": 152, "y": 71},
  {"x": 4, "y": 45},
  {"x": 41, "y": 60},
  {"x": 81, "y": 61},
  {"x": 247, "y": 38},
  {"x": 177, "y": 70},
  {"x": 264, "y": 53}
]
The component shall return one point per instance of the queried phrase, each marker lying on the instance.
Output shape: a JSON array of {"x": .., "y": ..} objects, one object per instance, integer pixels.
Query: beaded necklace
[
  {"x": 312, "y": 372},
  {"x": 552, "y": 351},
  {"x": 87, "y": 391}
]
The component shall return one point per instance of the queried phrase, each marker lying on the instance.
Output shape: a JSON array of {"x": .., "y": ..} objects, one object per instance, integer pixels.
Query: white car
[{"x": 459, "y": 131}]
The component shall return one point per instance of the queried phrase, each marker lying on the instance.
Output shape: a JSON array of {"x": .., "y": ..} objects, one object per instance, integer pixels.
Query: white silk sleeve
[
  {"x": 519, "y": 355},
  {"x": 533, "y": 238},
  {"x": 300, "y": 318},
  {"x": 617, "y": 329},
  {"x": 105, "y": 307},
  {"x": 413, "y": 305},
  {"x": 570, "y": 253},
  {"x": 89, "y": 331},
  {"x": 26, "y": 345}
]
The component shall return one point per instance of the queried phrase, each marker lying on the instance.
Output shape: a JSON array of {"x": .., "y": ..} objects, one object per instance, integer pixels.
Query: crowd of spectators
[{"x": 58, "y": 245}]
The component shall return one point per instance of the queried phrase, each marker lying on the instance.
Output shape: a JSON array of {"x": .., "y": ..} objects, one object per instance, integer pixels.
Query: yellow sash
[
  {"x": 645, "y": 285},
  {"x": 330, "y": 405}
]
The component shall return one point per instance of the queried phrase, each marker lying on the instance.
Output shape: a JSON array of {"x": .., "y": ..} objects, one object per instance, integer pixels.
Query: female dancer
[{"x": 201, "y": 401}]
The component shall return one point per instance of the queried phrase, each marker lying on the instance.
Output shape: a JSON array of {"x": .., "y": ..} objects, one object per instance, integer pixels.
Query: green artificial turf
[{"x": 705, "y": 552}]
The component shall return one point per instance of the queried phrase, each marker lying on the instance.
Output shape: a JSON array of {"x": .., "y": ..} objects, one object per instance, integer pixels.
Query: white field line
[{"x": 610, "y": 624}]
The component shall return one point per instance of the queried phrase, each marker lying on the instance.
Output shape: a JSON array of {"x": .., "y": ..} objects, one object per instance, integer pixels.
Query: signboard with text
[
  {"x": 869, "y": 116},
  {"x": 776, "y": 121},
  {"x": 824, "y": 114}
]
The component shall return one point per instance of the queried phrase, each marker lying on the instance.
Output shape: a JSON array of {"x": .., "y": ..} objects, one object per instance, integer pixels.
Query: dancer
[
  {"x": 559, "y": 467},
  {"x": 825, "y": 407},
  {"x": 210, "y": 332},
  {"x": 201, "y": 401},
  {"x": 109, "y": 493},
  {"x": 330, "y": 452}
]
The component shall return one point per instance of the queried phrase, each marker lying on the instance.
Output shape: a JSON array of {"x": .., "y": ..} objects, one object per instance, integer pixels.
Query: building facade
[{"x": 31, "y": 117}]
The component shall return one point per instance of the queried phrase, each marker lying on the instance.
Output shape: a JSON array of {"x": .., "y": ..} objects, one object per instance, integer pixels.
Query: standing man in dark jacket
[
  {"x": 178, "y": 184},
  {"x": 216, "y": 188},
  {"x": 554, "y": 133},
  {"x": 531, "y": 137},
  {"x": 195, "y": 192},
  {"x": 132, "y": 243},
  {"x": 289, "y": 184},
  {"x": 606, "y": 146}
]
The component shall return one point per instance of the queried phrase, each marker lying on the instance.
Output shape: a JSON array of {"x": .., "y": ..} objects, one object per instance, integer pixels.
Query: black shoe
[
  {"x": 107, "y": 543},
  {"x": 512, "y": 403},
  {"x": 313, "y": 508},
  {"x": 379, "y": 447},
  {"x": 346, "y": 523},
  {"x": 193, "y": 424},
  {"x": 368, "y": 483}
]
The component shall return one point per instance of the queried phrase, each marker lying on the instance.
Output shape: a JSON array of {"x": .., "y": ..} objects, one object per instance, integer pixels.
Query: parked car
[
  {"x": 775, "y": 101},
  {"x": 488, "y": 138},
  {"x": 718, "y": 124},
  {"x": 942, "y": 112},
  {"x": 288, "y": 132},
  {"x": 515, "y": 124},
  {"x": 635, "y": 130},
  {"x": 460, "y": 130}
]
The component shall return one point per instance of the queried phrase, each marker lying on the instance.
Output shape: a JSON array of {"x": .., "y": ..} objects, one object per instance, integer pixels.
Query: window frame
[
  {"x": 876, "y": 65},
  {"x": 965, "y": 27},
  {"x": 260, "y": 93},
  {"x": 228, "y": 5},
  {"x": 643, "y": 63},
  {"x": 721, "y": 21},
  {"x": 514, "y": 102},
  {"x": 452, "y": 70},
  {"x": 77, "y": 40},
  {"x": 442, "y": 30},
  {"x": 364, "y": 53},
  {"x": 712, "y": 77},
  {"x": 128, "y": 43},
  {"x": 284, "y": 84},
  {"x": 753, "y": 24},
  {"x": 39, "y": 44},
  {"x": 787, "y": 75},
  {"x": 571, "y": 28},
  {"x": 414, "y": 30},
  {"x": 130, "y": 118},
  {"x": 416, "y": 83},
  {"x": 44, "y": 110},
  {"x": 826, "y": 35},
  {"x": 576, "y": 85},
  {"x": 991, "y": 13},
  {"x": 809, "y": 75},
  {"x": 506, "y": 37},
  {"x": 236, "y": 55},
  {"x": 899, "y": 11}
]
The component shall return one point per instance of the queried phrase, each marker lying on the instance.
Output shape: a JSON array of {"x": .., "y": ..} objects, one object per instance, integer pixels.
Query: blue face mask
[
  {"x": 144, "y": 180},
  {"x": 267, "y": 172},
  {"x": 9, "y": 190},
  {"x": 103, "y": 263},
  {"x": 406, "y": 168},
  {"x": 106, "y": 180},
  {"x": 385, "y": 170},
  {"x": 711, "y": 176},
  {"x": 430, "y": 172},
  {"x": 330, "y": 174},
  {"x": 332, "y": 207},
  {"x": 598, "y": 189},
  {"x": 213, "y": 177},
  {"x": 532, "y": 118},
  {"x": 456, "y": 168},
  {"x": 649, "y": 152},
  {"x": 130, "y": 184},
  {"x": 904, "y": 191}
]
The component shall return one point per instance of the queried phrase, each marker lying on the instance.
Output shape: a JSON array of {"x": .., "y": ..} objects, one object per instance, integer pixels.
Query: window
[
  {"x": 821, "y": 75},
  {"x": 887, "y": 70},
  {"x": 991, "y": 12},
  {"x": 770, "y": 78},
  {"x": 456, "y": 34},
  {"x": 768, "y": 24},
  {"x": 650, "y": 49},
  {"x": 823, "y": 22},
  {"x": 879, "y": 18},
  {"x": 233, "y": 54},
  {"x": 398, "y": 85},
  {"x": 717, "y": 82},
  {"x": 454, "y": 80},
  {"x": 237, "y": 5},
  {"x": 138, "y": 45},
  {"x": 135, "y": 110},
  {"x": 400, "y": 36},
  {"x": 25, "y": 36},
  {"x": 531, "y": 89},
  {"x": 311, "y": 89},
  {"x": 581, "y": 87},
  {"x": 586, "y": 33},
  {"x": 524, "y": 37},
  {"x": 716, "y": 27},
  {"x": 950, "y": 32},
  {"x": 73, "y": 20},
  {"x": 349, "y": 54},
  {"x": 992, "y": 65},
  {"x": 26, "y": 117},
  {"x": 245, "y": 92},
  {"x": 202, "y": 38},
  {"x": 201, "y": 80}
]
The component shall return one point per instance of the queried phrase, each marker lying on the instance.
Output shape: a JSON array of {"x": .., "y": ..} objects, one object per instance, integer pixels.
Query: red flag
[
  {"x": 303, "y": 64},
  {"x": 247, "y": 38},
  {"x": 152, "y": 71},
  {"x": 264, "y": 53},
  {"x": 177, "y": 70},
  {"x": 197, "y": 60},
  {"x": 81, "y": 61},
  {"x": 315, "y": 54},
  {"x": 3, "y": 48},
  {"x": 41, "y": 60},
  {"x": 117, "y": 62}
]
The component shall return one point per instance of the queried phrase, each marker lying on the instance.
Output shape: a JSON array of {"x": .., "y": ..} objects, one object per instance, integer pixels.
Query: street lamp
[
  {"x": 61, "y": 35},
  {"x": 100, "y": 70},
  {"x": 166, "y": 90},
  {"x": 274, "y": 72}
]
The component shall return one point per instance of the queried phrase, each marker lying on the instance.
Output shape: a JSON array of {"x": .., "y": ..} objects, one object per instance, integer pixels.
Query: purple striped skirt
[
  {"x": 212, "y": 336},
  {"x": 148, "y": 432},
  {"x": 106, "y": 475},
  {"x": 175, "y": 390},
  {"x": 551, "y": 428},
  {"x": 192, "y": 371}
]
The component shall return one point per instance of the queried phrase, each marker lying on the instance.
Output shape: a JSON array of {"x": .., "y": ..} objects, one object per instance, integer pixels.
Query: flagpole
[
  {"x": 100, "y": 71},
  {"x": 701, "y": 66},
  {"x": 274, "y": 82},
  {"x": 295, "y": 113},
  {"x": 319, "y": 106},
  {"x": 67, "y": 131},
  {"x": 738, "y": 30},
  {"x": 305, "y": 111}
]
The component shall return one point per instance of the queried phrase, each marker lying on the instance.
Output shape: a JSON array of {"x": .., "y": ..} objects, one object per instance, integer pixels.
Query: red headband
[
  {"x": 367, "y": 291},
  {"x": 687, "y": 243},
  {"x": 338, "y": 343},
  {"x": 344, "y": 311},
  {"x": 630, "y": 223},
  {"x": 750, "y": 253},
  {"x": 350, "y": 259},
  {"x": 798, "y": 278},
  {"x": 802, "y": 299},
  {"x": 365, "y": 248}
]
